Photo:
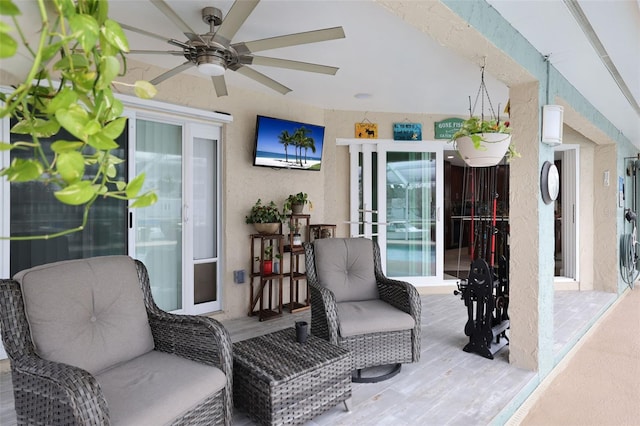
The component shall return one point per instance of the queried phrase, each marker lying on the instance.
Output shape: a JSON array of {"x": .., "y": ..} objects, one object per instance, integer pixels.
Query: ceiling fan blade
[
  {"x": 220, "y": 85},
  {"x": 261, "y": 78},
  {"x": 239, "y": 12},
  {"x": 289, "y": 40},
  {"x": 175, "y": 18},
  {"x": 178, "y": 43},
  {"x": 139, "y": 31},
  {"x": 158, "y": 52},
  {"x": 289, "y": 64},
  {"x": 162, "y": 77}
]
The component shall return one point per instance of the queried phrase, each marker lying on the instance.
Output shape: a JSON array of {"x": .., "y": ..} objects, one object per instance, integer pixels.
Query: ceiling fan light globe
[
  {"x": 211, "y": 69},
  {"x": 211, "y": 64}
]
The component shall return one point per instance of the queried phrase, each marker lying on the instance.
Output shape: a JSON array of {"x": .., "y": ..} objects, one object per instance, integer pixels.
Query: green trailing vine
[
  {"x": 474, "y": 127},
  {"x": 78, "y": 56}
]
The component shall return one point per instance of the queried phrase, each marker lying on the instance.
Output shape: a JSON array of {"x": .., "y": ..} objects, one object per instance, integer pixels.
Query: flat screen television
[{"x": 288, "y": 144}]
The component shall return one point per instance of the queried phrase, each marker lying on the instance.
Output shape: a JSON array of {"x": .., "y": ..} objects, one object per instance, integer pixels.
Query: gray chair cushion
[
  {"x": 345, "y": 266},
  {"x": 371, "y": 316},
  {"x": 157, "y": 387},
  {"x": 89, "y": 313}
]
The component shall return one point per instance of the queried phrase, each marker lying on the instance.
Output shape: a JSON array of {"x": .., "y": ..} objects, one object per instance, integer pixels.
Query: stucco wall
[
  {"x": 605, "y": 224},
  {"x": 243, "y": 183}
]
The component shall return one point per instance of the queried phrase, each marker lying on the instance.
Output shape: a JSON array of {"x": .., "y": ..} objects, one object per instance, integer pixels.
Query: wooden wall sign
[
  {"x": 366, "y": 131},
  {"x": 446, "y": 128},
  {"x": 407, "y": 131}
]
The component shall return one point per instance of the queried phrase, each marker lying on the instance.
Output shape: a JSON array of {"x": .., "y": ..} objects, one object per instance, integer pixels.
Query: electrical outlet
[{"x": 238, "y": 276}]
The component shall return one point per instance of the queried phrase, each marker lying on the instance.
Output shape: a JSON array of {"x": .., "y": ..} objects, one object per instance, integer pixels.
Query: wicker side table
[{"x": 277, "y": 380}]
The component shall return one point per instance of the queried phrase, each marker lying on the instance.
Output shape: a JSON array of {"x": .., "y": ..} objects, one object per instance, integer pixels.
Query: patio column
[{"x": 531, "y": 238}]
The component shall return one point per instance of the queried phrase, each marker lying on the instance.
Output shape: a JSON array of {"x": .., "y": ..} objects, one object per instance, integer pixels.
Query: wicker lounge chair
[
  {"x": 353, "y": 305},
  {"x": 88, "y": 345}
]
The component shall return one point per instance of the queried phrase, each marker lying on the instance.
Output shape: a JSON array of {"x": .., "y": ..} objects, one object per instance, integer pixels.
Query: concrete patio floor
[{"x": 447, "y": 387}]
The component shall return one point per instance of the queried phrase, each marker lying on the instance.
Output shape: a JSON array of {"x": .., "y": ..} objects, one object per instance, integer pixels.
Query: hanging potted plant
[
  {"x": 480, "y": 142},
  {"x": 295, "y": 203},
  {"x": 266, "y": 218},
  {"x": 484, "y": 143},
  {"x": 75, "y": 63}
]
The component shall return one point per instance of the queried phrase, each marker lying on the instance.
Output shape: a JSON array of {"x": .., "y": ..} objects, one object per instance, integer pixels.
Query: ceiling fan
[{"x": 213, "y": 53}]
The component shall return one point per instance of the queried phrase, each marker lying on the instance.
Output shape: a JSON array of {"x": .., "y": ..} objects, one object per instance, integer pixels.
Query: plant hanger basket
[
  {"x": 491, "y": 151},
  {"x": 488, "y": 148}
]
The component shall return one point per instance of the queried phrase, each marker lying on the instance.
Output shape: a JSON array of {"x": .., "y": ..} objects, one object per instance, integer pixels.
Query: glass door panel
[
  {"x": 35, "y": 211},
  {"x": 205, "y": 222},
  {"x": 159, "y": 227},
  {"x": 412, "y": 193}
]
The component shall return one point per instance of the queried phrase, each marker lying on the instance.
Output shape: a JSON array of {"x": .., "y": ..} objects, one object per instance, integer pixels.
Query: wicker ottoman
[{"x": 277, "y": 380}]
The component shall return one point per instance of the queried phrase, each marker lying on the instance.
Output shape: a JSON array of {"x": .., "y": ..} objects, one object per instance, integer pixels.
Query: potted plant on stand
[
  {"x": 295, "y": 203},
  {"x": 484, "y": 143},
  {"x": 269, "y": 266},
  {"x": 296, "y": 238},
  {"x": 266, "y": 218}
]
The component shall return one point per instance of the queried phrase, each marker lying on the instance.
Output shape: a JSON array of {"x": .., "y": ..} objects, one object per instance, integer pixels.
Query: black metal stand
[{"x": 486, "y": 297}]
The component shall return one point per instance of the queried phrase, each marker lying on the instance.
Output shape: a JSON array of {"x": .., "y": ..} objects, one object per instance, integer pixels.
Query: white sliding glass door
[
  {"x": 158, "y": 241},
  {"x": 202, "y": 217},
  {"x": 397, "y": 193},
  {"x": 178, "y": 238},
  {"x": 411, "y": 194}
]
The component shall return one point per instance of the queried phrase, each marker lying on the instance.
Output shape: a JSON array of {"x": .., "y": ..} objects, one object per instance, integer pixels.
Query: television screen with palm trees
[{"x": 288, "y": 144}]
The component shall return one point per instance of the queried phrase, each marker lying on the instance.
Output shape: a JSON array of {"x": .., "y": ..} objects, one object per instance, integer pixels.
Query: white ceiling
[
  {"x": 401, "y": 68},
  {"x": 551, "y": 29}
]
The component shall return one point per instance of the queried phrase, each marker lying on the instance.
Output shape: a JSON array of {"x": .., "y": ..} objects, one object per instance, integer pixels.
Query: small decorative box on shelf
[{"x": 324, "y": 230}]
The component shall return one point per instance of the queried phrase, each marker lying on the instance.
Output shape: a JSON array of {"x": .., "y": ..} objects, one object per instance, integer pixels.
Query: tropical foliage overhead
[{"x": 69, "y": 86}]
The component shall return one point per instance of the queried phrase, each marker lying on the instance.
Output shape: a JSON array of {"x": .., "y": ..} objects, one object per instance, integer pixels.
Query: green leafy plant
[
  {"x": 474, "y": 127},
  {"x": 299, "y": 198},
  {"x": 264, "y": 213},
  {"x": 268, "y": 254},
  {"x": 75, "y": 63}
]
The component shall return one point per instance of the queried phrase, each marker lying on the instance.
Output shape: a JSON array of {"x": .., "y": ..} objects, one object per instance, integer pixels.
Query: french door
[
  {"x": 178, "y": 237},
  {"x": 397, "y": 197},
  {"x": 567, "y": 213}
]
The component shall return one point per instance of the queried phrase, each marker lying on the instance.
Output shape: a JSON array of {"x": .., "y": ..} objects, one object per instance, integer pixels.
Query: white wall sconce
[{"x": 552, "y": 124}]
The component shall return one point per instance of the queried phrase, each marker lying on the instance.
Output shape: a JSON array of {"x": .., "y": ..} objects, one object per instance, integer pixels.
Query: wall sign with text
[
  {"x": 407, "y": 131},
  {"x": 446, "y": 128}
]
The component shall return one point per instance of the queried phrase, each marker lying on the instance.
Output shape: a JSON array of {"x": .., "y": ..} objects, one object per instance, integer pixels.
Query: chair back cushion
[
  {"x": 89, "y": 313},
  {"x": 345, "y": 266}
]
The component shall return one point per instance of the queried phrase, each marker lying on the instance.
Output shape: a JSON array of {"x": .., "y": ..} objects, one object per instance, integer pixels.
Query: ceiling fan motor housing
[{"x": 212, "y": 16}]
